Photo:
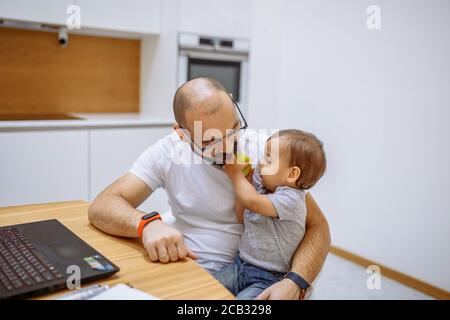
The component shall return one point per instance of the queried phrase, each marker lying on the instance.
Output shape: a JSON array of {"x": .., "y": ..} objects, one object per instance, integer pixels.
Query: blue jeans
[{"x": 246, "y": 281}]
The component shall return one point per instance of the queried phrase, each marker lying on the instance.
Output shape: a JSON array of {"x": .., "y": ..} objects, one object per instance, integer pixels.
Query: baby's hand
[{"x": 235, "y": 167}]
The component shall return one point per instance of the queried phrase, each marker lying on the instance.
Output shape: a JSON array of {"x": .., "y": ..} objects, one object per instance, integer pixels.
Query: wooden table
[{"x": 178, "y": 280}]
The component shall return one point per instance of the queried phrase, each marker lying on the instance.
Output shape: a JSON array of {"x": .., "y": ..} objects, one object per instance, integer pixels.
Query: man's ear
[
  {"x": 178, "y": 130},
  {"x": 294, "y": 174}
]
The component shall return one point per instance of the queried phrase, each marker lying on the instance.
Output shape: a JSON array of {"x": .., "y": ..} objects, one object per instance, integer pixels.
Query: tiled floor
[{"x": 342, "y": 279}]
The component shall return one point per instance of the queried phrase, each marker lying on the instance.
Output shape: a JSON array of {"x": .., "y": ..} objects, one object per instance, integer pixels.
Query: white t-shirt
[{"x": 200, "y": 195}]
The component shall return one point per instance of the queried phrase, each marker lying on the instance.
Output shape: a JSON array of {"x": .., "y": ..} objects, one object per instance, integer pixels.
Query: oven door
[{"x": 228, "y": 69}]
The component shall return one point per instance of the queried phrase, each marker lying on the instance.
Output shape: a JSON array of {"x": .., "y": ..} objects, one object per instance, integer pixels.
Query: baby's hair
[{"x": 305, "y": 152}]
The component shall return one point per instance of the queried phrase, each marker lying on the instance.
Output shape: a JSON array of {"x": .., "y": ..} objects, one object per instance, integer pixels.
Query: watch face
[{"x": 149, "y": 215}]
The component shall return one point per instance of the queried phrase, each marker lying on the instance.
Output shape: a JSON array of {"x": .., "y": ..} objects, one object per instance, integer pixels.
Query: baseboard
[{"x": 409, "y": 281}]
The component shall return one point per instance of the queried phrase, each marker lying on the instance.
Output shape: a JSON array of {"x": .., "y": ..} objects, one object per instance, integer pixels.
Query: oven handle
[{"x": 209, "y": 55}]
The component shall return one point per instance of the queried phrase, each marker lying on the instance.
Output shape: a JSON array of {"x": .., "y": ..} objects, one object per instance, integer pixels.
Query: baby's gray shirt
[{"x": 270, "y": 243}]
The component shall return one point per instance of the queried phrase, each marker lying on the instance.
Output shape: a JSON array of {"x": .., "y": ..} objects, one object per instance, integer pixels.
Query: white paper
[{"x": 123, "y": 292}]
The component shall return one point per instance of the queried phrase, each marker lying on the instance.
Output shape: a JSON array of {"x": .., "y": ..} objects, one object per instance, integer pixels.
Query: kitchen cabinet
[
  {"x": 132, "y": 17},
  {"x": 43, "y": 11},
  {"x": 138, "y": 16},
  {"x": 43, "y": 166},
  {"x": 40, "y": 165},
  {"x": 223, "y": 18},
  {"x": 112, "y": 151}
]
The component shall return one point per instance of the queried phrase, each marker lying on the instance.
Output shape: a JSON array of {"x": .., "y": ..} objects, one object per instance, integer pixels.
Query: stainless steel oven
[{"x": 225, "y": 60}]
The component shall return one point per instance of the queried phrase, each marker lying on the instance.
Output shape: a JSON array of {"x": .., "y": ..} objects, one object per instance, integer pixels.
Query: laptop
[{"x": 39, "y": 257}]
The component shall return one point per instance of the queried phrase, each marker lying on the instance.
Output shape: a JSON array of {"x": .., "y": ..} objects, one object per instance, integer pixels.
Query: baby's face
[{"x": 275, "y": 164}]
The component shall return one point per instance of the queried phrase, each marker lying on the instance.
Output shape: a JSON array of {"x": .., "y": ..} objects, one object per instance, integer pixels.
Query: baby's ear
[{"x": 294, "y": 174}]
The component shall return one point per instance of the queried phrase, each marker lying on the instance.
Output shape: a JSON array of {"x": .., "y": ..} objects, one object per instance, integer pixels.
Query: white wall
[
  {"x": 159, "y": 55},
  {"x": 265, "y": 62},
  {"x": 380, "y": 100}
]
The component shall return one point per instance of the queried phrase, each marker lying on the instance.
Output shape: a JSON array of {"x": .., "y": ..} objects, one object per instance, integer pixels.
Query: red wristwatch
[{"x": 147, "y": 218}]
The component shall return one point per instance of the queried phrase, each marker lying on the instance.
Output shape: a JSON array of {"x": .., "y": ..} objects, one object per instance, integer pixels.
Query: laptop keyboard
[{"x": 20, "y": 264}]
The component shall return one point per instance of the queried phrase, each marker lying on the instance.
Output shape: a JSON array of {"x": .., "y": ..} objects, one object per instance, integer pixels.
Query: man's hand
[
  {"x": 285, "y": 289},
  {"x": 164, "y": 243}
]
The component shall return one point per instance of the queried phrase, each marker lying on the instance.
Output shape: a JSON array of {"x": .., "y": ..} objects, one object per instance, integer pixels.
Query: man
[{"x": 200, "y": 194}]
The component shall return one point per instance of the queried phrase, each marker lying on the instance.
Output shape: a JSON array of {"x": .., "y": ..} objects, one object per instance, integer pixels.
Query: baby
[{"x": 273, "y": 210}]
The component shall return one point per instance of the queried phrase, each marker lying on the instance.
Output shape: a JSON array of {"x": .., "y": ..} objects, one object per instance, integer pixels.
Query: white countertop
[{"x": 89, "y": 120}]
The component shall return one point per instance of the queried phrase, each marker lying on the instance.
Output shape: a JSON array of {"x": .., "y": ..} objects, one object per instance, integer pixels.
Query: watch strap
[
  {"x": 302, "y": 283},
  {"x": 144, "y": 221}
]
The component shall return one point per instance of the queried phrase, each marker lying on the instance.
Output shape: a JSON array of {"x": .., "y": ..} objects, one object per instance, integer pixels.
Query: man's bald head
[{"x": 202, "y": 95}]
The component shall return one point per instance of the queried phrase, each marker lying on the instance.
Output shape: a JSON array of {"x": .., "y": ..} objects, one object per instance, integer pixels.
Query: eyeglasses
[{"x": 232, "y": 136}]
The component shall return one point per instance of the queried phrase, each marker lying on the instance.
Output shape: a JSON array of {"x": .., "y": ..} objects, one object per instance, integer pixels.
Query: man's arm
[
  {"x": 309, "y": 257},
  {"x": 313, "y": 249},
  {"x": 114, "y": 212}
]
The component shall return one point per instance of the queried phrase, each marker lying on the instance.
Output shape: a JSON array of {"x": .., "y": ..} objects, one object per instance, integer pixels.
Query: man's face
[{"x": 212, "y": 131}]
